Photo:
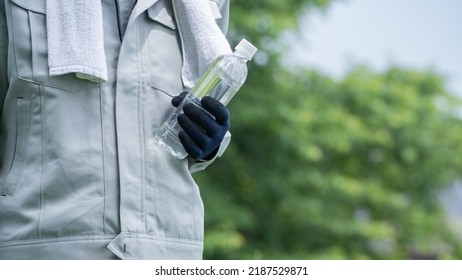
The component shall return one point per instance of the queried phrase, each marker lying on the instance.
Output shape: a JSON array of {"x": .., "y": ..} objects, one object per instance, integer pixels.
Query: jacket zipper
[{"x": 119, "y": 17}]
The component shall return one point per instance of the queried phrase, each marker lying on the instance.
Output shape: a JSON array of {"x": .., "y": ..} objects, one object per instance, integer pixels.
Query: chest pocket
[
  {"x": 163, "y": 66},
  {"x": 30, "y": 46}
]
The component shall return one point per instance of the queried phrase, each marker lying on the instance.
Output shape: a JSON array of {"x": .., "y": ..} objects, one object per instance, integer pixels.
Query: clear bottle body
[{"x": 221, "y": 81}]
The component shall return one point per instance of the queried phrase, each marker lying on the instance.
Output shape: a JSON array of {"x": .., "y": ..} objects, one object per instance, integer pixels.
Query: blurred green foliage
[{"x": 326, "y": 169}]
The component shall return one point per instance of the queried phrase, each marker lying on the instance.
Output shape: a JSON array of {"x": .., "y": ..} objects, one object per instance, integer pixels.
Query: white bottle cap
[{"x": 246, "y": 49}]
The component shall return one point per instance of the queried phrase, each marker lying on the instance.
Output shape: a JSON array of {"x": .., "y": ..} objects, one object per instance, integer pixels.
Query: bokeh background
[{"x": 347, "y": 136}]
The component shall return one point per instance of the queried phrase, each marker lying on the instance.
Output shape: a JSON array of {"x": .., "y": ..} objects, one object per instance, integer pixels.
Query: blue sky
[{"x": 414, "y": 33}]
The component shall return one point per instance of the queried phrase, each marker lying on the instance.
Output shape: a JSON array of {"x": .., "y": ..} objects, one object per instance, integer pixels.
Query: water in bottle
[{"x": 221, "y": 81}]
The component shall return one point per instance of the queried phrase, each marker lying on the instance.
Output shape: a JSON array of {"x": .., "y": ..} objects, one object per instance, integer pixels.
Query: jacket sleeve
[{"x": 3, "y": 55}]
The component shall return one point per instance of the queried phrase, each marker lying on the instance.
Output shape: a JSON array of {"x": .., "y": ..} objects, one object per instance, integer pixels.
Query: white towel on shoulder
[
  {"x": 76, "y": 42},
  {"x": 202, "y": 39},
  {"x": 75, "y": 39}
]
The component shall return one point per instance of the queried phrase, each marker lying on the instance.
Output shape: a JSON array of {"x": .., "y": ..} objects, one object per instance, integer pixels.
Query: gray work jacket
[{"x": 80, "y": 177}]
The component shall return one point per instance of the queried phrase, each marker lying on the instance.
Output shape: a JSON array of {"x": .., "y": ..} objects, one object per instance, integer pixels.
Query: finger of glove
[
  {"x": 179, "y": 98},
  {"x": 204, "y": 121},
  {"x": 190, "y": 146},
  {"x": 194, "y": 131},
  {"x": 218, "y": 110}
]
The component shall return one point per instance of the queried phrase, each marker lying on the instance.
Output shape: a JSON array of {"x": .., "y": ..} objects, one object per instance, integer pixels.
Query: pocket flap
[
  {"x": 215, "y": 10},
  {"x": 162, "y": 13},
  {"x": 38, "y": 6}
]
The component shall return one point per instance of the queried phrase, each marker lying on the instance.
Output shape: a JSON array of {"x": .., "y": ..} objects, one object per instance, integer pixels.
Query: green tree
[{"x": 325, "y": 169}]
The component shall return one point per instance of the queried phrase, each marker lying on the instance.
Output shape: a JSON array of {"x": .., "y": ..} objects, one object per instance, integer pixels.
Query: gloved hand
[{"x": 202, "y": 134}]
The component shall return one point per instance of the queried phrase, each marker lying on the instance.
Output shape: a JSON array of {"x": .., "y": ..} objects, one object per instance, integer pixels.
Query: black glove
[{"x": 202, "y": 133}]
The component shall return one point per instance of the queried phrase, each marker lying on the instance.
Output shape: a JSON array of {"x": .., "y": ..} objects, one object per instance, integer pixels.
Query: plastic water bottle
[{"x": 221, "y": 81}]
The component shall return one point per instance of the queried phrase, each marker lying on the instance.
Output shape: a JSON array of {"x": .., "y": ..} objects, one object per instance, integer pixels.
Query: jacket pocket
[
  {"x": 23, "y": 118},
  {"x": 29, "y": 37}
]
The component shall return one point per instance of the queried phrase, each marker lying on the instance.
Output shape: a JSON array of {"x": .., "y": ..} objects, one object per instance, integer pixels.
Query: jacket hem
[
  {"x": 136, "y": 246},
  {"x": 73, "y": 248},
  {"x": 131, "y": 246}
]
